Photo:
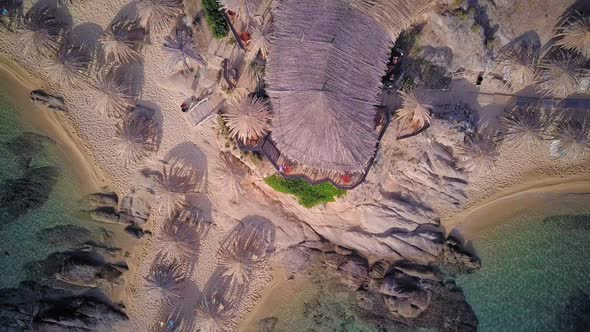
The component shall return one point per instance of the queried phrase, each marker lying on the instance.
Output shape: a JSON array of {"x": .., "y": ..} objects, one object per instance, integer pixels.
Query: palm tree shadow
[
  {"x": 87, "y": 34},
  {"x": 179, "y": 316},
  {"x": 187, "y": 154},
  {"x": 62, "y": 14}
]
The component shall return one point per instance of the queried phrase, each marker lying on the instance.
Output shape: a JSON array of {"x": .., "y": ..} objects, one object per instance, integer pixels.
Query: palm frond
[
  {"x": 574, "y": 35},
  {"x": 560, "y": 75},
  {"x": 570, "y": 139},
  {"x": 40, "y": 31},
  {"x": 414, "y": 112},
  {"x": 137, "y": 137},
  {"x": 122, "y": 40},
  {"x": 165, "y": 279},
  {"x": 247, "y": 117},
  {"x": 182, "y": 49},
  {"x": 260, "y": 40},
  {"x": 478, "y": 154},
  {"x": 71, "y": 62},
  {"x": 525, "y": 126},
  {"x": 231, "y": 173},
  {"x": 112, "y": 93},
  {"x": 173, "y": 183},
  {"x": 157, "y": 14}
]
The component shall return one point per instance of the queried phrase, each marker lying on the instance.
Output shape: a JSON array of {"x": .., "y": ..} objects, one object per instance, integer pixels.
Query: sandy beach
[{"x": 521, "y": 179}]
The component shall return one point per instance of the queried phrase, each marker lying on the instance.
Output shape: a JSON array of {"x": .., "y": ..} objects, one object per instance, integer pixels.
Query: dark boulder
[{"x": 65, "y": 235}]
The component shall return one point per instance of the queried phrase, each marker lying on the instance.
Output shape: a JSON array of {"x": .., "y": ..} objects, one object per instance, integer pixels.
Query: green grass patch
[
  {"x": 215, "y": 19},
  {"x": 307, "y": 194}
]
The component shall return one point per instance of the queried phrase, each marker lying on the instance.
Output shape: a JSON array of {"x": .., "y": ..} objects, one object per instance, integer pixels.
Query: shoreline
[
  {"x": 69, "y": 145},
  {"x": 538, "y": 194}
]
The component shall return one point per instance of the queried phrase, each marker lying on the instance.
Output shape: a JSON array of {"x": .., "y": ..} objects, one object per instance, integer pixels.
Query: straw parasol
[
  {"x": 478, "y": 154},
  {"x": 574, "y": 34},
  {"x": 40, "y": 31},
  {"x": 137, "y": 136},
  {"x": 71, "y": 62},
  {"x": 232, "y": 172},
  {"x": 414, "y": 113},
  {"x": 519, "y": 65},
  {"x": 570, "y": 139},
  {"x": 173, "y": 183},
  {"x": 247, "y": 117},
  {"x": 244, "y": 8},
  {"x": 525, "y": 126},
  {"x": 165, "y": 279},
  {"x": 561, "y": 74},
  {"x": 180, "y": 236},
  {"x": 182, "y": 49},
  {"x": 157, "y": 14},
  {"x": 112, "y": 92},
  {"x": 260, "y": 40},
  {"x": 122, "y": 40}
]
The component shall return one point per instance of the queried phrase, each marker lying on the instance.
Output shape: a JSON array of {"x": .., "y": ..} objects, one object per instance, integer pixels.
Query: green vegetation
[
  {"x": 215, "y": 19},
  {"x": 307, "y": 194}
]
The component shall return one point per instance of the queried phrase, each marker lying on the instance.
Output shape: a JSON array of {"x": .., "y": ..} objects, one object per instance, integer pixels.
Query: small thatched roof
[{"x": 324, "y": 74}]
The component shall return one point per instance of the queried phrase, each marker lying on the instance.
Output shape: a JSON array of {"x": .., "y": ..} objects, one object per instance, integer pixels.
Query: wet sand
[{"x": 53, "y": 125}]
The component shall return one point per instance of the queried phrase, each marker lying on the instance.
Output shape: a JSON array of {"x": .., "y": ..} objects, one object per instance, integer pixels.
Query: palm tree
[
  {"x": 520, "y": 65},
  {"x": 165, "y": 279},
  {"x": 137, "y": 136},
  {"x": 231, "y": 173},
  {"x": 260, "y": 40},
  {"x": 525, "y": 126},
  {"x": 173, "y": 183},
  {"x": 245, "y": 9},
  {"x": 574, "y": 35},
  {"x": 414, "y": 112},
  {"x": 478, "y": 154},
  {"x": 570, "y": 139},
  {"x": 180, "y": 237},
  {"x": 70, "y": 63},
  {"x": 122, "y": 40},
  {"x": 182, "y": 49},
  {"x": 112, "y": 92},
  {"x": 156, "y": 14},
  {"x": 40, "y": 31},
  {"x": 247, "y": 117},
  {"x": 560, "y": 75}
]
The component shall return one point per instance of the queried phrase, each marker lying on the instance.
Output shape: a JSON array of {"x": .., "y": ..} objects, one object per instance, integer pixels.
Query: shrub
[
  {"x": 308, "y": 195},
  {"x": 215, "y": 18}
]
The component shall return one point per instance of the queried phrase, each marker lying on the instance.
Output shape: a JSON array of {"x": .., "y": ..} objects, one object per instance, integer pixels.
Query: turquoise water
[
  {"x": 535, "y": 274},
  {"x": 19, "y": 242}
]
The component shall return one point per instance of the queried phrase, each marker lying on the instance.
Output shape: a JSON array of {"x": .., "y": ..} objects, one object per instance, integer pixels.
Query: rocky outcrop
[
  {"x": 62, "y": 235},
  {"x": 34, "y": 307},
  {"x": 52, "y": 102},
  {"x": 456, "y": 258}
]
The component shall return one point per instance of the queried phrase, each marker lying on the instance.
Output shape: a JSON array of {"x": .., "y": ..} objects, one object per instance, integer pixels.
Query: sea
[
  {"x": 29, "y": 158},
  {"x": 535, "y": 273}
]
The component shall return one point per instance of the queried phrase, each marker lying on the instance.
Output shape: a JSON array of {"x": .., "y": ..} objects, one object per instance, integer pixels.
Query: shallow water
[
  {"x": 19, "y": 243},
  {"x": 535, "y": 273}
]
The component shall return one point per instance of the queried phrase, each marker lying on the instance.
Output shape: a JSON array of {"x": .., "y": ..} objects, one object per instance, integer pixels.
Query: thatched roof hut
[{"x": 324, "y": 74}]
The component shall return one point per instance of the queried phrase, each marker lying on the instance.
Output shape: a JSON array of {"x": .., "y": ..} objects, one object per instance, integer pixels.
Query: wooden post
[{"x": 234, "y": 32}]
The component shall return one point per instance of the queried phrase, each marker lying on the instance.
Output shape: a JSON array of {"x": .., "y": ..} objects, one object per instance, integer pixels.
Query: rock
[
  {"x": 456, "y": 258},
  {"x": 419, "y": 246},
  {"x": 379, "y": 269},
  {"x": 34, "y": 307},
  {"x": 267, "y": 324},
  {"x": 294, "y": 260},
  {"x": 408, "y": 307},
  {"x": 422, "y": 272},
  {"x": 80, "y": 268},
  {"x": 52, "y": 102},
  {"x": 397, "y": 213},
  {"x": 31, "y": 191},
  {"x": 103, "y": 200},
  {"x": 136, "y": 232},
  {"x": 135, "y": 208},
  {"x": 28, "y": 144},
  {"x": 65, "y": 235},
  {"x": 108, "y": 215}
]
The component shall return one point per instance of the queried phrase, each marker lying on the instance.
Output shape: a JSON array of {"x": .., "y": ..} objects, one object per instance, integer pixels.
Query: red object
[
  {"x": 245, "y": 37},
  {"x": 346, "y": 178},
  {"x": 288, "y": 169}
]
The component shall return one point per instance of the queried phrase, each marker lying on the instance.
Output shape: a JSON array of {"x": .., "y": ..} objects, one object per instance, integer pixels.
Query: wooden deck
[{"x": 293, "y": 170}]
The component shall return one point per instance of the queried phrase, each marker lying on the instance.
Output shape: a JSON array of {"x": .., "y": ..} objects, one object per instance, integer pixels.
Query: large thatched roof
[{"x": 324, "y": 76}]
